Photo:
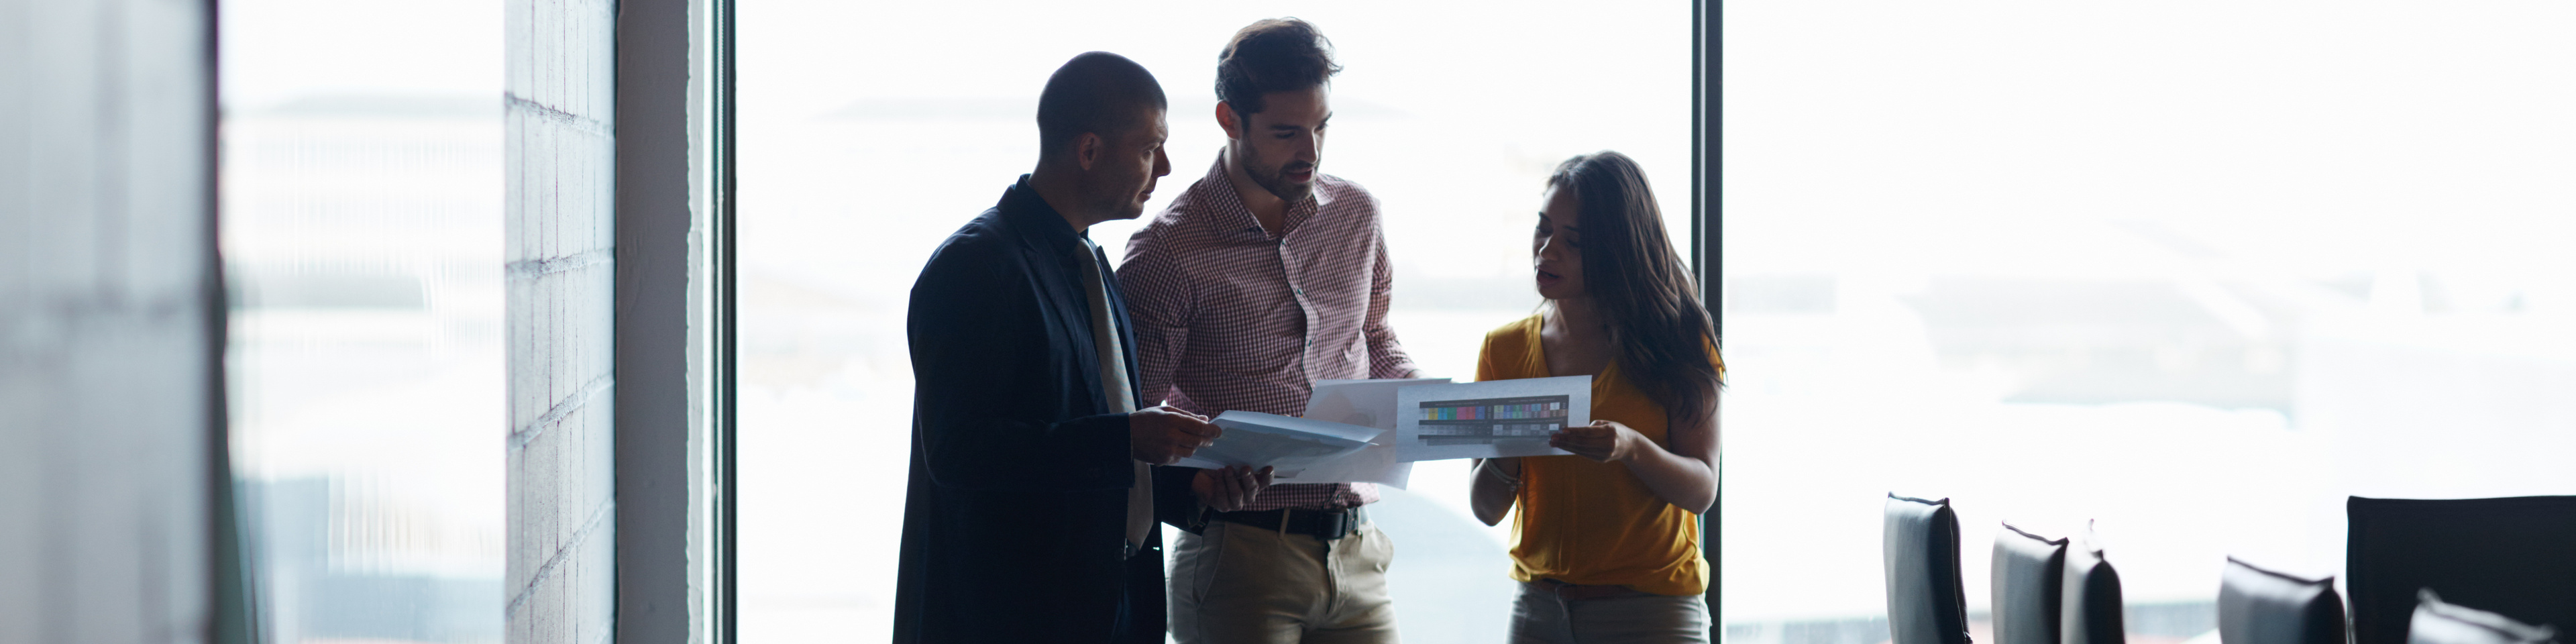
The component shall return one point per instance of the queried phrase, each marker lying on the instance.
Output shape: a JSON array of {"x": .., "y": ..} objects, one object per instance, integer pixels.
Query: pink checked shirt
[{"x": 1229, "y": 316}]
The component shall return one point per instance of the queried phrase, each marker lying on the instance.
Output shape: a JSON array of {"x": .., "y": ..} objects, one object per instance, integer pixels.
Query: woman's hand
[
  {"x": 1496, "y": 484},
  {"x": 1603, "y": 440}
]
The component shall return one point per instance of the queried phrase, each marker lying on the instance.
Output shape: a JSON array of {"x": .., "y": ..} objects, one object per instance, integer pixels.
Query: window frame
[
  {"x": 1707, "y": 235},
  {"x": 1708, "y": 250}
]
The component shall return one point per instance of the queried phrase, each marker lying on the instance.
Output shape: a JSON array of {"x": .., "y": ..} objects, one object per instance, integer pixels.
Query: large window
[
  {"x": 871, "y": 131},
  {"x": 361, "y": 232},
  {"x": 2192, "y": 271}
]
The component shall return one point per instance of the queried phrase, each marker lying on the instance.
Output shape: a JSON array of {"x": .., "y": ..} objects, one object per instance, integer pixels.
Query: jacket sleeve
[
  {"x": 1175, "y": 503},
  {"x": 984, "y": 392}
]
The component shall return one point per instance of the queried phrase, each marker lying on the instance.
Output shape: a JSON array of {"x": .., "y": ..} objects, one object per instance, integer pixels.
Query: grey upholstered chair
[
  {"x": 2029, "y": 573},
  {"x": 1925, "y": 603},
  {"x": 2435, "y": 622},
  {"x": 2513, "y": 556},
  {"x": 2089, "y": 606},
  {"x": 2258, "y": 606}
]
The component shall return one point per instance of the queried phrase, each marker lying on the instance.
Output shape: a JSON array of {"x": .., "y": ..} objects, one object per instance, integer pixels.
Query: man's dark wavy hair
[
  {"x": 1661, "y": 333},
  {"x": 1273, "y": 55}
]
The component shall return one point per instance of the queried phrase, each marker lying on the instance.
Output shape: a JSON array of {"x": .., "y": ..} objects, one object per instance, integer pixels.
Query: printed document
[
  {"x": 1369, "y": 403},
  {"x": 1373, "y": 430},
  {"x": 1489, "y": 419}
]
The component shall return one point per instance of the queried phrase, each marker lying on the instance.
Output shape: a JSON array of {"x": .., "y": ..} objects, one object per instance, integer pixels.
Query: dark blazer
[{"x": 1014, "y": 522}]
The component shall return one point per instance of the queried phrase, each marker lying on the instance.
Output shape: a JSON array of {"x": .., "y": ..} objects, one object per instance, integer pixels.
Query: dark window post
[{"x": 1708, "y": 241}]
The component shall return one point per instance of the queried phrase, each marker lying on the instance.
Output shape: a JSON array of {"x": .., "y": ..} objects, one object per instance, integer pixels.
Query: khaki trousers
[
  {"x": 1539, "y": 616},
  {"x": 1238, "y": 584}
]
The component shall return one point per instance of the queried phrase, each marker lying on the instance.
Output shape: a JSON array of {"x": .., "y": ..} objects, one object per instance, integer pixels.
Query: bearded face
[{"x": 1280, "y": 145}]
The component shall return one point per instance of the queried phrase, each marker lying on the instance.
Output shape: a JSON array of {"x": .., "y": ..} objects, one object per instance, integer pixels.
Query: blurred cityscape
[{"x": 2074, "y": 275}]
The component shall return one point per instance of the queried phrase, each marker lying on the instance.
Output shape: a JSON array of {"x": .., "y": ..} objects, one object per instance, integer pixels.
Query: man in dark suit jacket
[{"x": 1029, "y": 515}]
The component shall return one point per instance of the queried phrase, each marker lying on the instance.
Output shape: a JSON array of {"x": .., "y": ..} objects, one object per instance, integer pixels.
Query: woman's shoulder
[
  {"x": 1517, "y": 331},
  {"x": 1516, "y": 338}
]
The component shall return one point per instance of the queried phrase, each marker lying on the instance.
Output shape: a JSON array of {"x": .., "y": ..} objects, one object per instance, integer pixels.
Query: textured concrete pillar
[
  {"x": 560, "y": 169},
  {"x": 666, "y": 234},
  {"x": 110, "y": 421}
]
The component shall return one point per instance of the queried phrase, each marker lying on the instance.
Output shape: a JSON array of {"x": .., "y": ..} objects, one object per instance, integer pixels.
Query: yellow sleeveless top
[{"x": 1581, "y": 521}]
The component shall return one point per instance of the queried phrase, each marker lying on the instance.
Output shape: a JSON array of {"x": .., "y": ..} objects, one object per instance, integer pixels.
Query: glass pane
[
  {"x": 361, "y": 210},
  {"x": 2192, "y": 271},
  {"x": 872, "y": 131}
]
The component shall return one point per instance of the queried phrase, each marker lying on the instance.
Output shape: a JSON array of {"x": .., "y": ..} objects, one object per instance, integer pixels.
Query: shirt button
[{"x": 1299, "y": 291}]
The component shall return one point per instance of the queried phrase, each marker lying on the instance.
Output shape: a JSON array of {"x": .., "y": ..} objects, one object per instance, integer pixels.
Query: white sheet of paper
[
  {"x": 1488, "y": 419},
  {"x": 1368, "y": 403},
  {"x": 1290, "y": 444}
]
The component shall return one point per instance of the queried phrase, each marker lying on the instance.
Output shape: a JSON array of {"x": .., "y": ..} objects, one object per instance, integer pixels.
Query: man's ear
[
  {"x": 1225, "y": 119},
  {"x": 1087, "y": 149}
]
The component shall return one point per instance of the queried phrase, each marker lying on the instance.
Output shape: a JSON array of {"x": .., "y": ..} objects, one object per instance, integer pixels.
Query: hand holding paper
[
  {"x": 1603, "y": 440},
  {"x": 1258, "y": 439},
  {"x": 1161, "y": 434}
]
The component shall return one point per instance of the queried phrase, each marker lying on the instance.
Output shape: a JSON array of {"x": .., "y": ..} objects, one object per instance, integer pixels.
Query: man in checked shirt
[{"x": 1260, "y": 279}]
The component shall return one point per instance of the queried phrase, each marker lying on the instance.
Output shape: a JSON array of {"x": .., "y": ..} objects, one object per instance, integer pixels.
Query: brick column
[{"x": 559, "y": 245}]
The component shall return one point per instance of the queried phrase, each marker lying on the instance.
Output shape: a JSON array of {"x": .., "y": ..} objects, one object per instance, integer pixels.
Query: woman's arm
[
  {"x": 1498, "y": 482},
  {"x": 1684, "y": 475}
]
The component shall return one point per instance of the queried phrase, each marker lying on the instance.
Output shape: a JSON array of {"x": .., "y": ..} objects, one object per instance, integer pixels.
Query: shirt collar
[{"x": 1233, "y": 219}]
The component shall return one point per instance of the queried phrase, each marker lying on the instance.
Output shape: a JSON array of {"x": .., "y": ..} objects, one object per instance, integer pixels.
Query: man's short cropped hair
[
  {"x": 1097, "y": 93},
  {"x": 1273, "y": 55}
]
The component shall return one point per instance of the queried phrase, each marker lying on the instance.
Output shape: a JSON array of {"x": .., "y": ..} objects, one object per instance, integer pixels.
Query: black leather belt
[{"x": 1327, "y": 525}]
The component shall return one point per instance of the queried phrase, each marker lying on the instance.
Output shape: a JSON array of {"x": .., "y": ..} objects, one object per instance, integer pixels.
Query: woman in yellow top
[{"x": 1606, "y": 543}]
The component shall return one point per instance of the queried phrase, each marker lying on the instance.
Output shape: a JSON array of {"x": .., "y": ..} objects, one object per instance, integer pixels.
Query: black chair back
[
  {"x": 2030, "y": 572},
  {"x": 1925, "y": 603},
  {"x": 2258, "y": 606},
  {"x": 2513, "y": 556},
  {"x": 2090, "y": 605},
  {"x": 2436, "y": 622}
]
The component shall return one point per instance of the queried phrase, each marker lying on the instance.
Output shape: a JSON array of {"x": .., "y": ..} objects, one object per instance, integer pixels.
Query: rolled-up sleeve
[{"x": 1160, "y": 306}]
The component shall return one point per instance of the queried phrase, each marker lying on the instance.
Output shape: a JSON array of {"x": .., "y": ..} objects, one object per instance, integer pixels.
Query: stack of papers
[{"x": 1288, "y": 443}]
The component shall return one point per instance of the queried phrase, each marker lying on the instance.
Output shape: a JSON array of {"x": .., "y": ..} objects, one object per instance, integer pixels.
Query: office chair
[
  {"x": 1925, "y": 603},
  {"x": 2258, "y": 606},
  {"x": 2512, "y": 556},
  {"x": 2090, "y": 606},
  {"x": 2029, "y": 571}
]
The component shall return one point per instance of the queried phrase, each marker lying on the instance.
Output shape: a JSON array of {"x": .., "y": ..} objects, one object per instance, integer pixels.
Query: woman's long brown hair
[{"x": 1638, "y": 284}]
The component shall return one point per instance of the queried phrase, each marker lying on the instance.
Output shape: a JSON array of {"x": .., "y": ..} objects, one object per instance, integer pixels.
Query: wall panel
[{"x": 110, "y": 415}]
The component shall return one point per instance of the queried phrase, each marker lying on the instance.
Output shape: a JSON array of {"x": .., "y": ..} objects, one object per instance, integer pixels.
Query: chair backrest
[
  {"x": 1925, "y": 602},
  {"x": 2437, "y": 622},
  {"x": 2258, "y": 606},
  {"x": 2089, "y": 606},
  {"x": 2030, "y": 572},
  {"x": 2514, "y": 556}
]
